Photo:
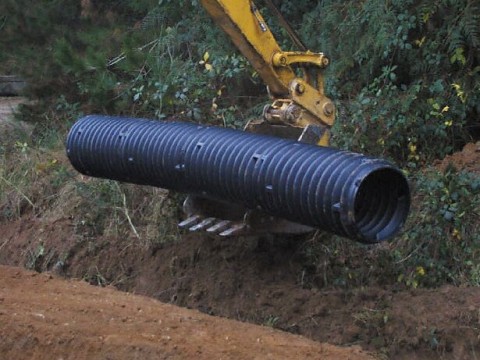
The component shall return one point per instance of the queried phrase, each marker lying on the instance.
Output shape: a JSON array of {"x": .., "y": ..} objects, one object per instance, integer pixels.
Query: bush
[
  {"x": 405, "y": 73},
  {"x": 441, "y": 242}
]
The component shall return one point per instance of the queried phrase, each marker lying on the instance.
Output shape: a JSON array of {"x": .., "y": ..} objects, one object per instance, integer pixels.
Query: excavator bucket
[
  {"x": 349, "y": 194},
  {"x": 229, "y": 219}
]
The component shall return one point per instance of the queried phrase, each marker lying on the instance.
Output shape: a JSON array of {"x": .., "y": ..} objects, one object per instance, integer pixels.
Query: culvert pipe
[{"x": 349, "y": 194}]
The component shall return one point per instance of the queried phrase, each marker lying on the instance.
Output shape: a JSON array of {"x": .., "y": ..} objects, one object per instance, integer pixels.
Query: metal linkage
[{"x": 346, "y": 193}]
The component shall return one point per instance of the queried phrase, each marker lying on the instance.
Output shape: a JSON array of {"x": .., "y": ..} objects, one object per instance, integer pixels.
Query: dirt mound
[
  {"x": 468, "y": 159},
  {"x": 43, "y": 317}
]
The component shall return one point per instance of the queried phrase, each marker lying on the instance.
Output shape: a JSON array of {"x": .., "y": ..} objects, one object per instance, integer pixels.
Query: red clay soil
[{"x": 43, "y": 317}]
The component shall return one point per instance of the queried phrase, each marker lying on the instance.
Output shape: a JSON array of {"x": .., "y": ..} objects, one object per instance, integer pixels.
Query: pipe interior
[{"x": 381, "y": 204}]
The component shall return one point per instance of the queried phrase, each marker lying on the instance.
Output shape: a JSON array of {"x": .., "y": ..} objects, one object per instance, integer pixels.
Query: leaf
[
  {"x": 420, "y": 42},
  {"x": 458, "y": 56},
  {"x": 365, "y": 101}
]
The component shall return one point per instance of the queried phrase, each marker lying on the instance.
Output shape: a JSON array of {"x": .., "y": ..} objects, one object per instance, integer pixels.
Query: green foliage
[
  {"x": 183, "y": 73},
  {"x": 441, "y": 242},
  {"x": 154, "y": 59},
  {"x": 406, "y": 123},
  {"x": 392, "y": 64},
  {"x": 395, "y": 66},
  {"x": 29, "y": 176}
]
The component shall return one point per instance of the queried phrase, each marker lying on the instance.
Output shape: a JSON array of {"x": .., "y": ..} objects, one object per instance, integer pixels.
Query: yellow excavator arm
[{"x": 298, "y": 101}]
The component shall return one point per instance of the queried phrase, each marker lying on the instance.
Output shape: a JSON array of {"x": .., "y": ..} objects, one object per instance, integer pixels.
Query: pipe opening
[{"x": 381, "y": 204}]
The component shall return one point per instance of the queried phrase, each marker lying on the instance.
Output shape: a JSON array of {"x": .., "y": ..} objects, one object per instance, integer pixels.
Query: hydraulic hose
[{"x": 349, "y": 194}]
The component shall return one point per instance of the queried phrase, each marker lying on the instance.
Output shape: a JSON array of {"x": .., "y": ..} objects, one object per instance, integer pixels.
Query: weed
[
  {"x": 95, "y": 277},
  {"x": 271, "y": 321},
  {"x": 372, "y": 318},
  {"x": 34, "y": 257}
]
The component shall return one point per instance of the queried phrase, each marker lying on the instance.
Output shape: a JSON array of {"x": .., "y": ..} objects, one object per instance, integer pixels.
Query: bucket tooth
[
  {"x": 219, "y": 227},
  {"x": 203, "y": 224},
  {"x": 233, "y": 230},
  {"x": 189, "y": 222}
]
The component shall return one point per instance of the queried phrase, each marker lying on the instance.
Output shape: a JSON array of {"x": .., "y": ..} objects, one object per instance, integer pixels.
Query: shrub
[
  {"x": 405, "y": 73},
  {"x": 441, "y": 242}
]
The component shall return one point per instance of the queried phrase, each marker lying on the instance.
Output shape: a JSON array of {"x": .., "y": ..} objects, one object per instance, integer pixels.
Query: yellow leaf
[
  {"x": 456, "y": 234},
  {"x": 208, "y": 67},
  {"x": 420, "y": 42},
  {"x": 445, "y": 109},
  {"x": 425, "y": 17},
  {"x": 206, "y": 56},
  {"x": 420, "y": 270},
  {"x": 460, "y": 93}
]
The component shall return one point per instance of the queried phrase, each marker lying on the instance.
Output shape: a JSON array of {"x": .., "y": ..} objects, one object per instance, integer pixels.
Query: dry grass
[{"x": 41, "y": 182}]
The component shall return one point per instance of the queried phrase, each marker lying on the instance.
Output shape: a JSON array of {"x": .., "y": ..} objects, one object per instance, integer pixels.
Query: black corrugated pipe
[{"x": 349, "y": 194}]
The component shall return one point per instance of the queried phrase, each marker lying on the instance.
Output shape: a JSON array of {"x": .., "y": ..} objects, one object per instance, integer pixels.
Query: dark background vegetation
[{"x": 405, "y": 76}]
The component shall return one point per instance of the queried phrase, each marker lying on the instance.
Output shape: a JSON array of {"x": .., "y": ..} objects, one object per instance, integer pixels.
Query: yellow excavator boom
[{"x": 297, "y": 101}]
